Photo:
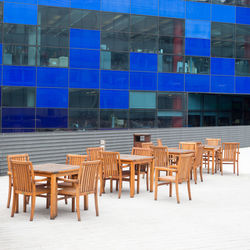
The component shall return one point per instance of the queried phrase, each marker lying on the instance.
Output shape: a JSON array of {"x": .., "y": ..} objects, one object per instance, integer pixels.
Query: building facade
[{"x": 118, "y": 64}]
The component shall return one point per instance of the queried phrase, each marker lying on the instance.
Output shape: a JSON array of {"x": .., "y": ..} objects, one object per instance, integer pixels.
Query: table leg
[
  {"x": 132, "y": 180},
  {"x": 53, "y": 197},
  {"x": 152, "y": 176},
  {"x": 212, "y": 161}
]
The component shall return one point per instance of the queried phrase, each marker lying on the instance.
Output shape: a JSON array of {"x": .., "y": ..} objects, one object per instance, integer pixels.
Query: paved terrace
[{"x": 218, "y": 217}]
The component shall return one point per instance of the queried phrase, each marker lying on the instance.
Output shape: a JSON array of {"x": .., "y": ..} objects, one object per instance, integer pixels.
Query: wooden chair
[
  {"x": 161, "y": 156},
  {"x": 141, "y": 169},
  {"x": 85, "y": 184},
  {"x": 188, "y": 145},
  {"x": 24, "y": 183},
  {"x": 213, "y": 142},
  {"x": 147, "y": 144},
  {"x": 94, "y": 153},
  {"x": 159, "y": 143},
  {"x": 112, "y": 170},
  {"x": 182, "y": 174},
  {"x": 198, "y": 162}
]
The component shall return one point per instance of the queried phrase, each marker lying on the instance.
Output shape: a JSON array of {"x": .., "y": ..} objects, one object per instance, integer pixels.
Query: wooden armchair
[
  {"x": 85, "y": 184},
  {"x": 198, "y": 162},
  {"x": 147, "y": 144},
  {"x": 213, "y": 142},
  {"x": 94, "y": 153},
  {"x": 182, "y": 174},
  {"x": 159, "y": 143},
  {"x": 24, "y": 183},
  {"x": 188, "y": 145}
]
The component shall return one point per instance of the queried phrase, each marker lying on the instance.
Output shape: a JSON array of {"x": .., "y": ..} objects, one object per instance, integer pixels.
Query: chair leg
[
  {"x": 147, "y": 178},
  {"x": 9, "y": 193},
  {"x": 13, "y": 209},
  {"x": 238, "y": 168},
  {"x": 47, "y": 201},
  {"x": 195, "y": 175},
  {"x": 96, "y": 205},
  {"x": 73, "y": 204},
  {"x": 177, "y": 192},
  {"x": 189, "y": 189},
  {"x": 120, "y": 186},
  {"x": 138, "y": 180},
  {"x": 170, "y": 189},
  {"x": 78, "y": 207},
  {"x": 156, "y": 185},
  {"x": 111, "y": 186},
  {"x": 66, "y": 200},
  {"x": 17, "y": 203},
  {"x": 24, "y": 203},
  {"x": 117, "y": 184},
  {"x": 221, "y": 166},
  {"x": 33, "y": 203},
  {"x": 234, "y": 167},
  {"x": 201, "y": 174},
  {"x": 86, "y": 202}
]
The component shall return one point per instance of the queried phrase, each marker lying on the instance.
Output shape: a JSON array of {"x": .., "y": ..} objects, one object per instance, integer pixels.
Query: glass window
[
  {"x": 209, "y": 119},
  {"x": 19, "y": 55},
  {"x": 210, "y": 102},
  {"x": 85, "y": 19},
  {"x": 142, "y": 100},
  {"x": 169, "y": 63},
  {"x": 144, "y": 24},
  {"x": 222, "y": 31},
  {"x": 171, "y": 101},
  {"x": 142, "y": 119},
  {"x": 1, "y": 12},
  {"x": 114, "y": 60},
  {"x": 114, "y": 22},
  {"x": 143, "y": 43},
  {"x": 242, "y": 33},
  {"x": 80, "y": 119},
  {"x": 171, "y": 119},
  {"x": 222, "y": 48},
  {"x": 243, "y": 50},
  {"x": 197, "y": 65},
  {"x": 171, "y": 45},
  {"x": 244, "y": 3},
  {"x": 20, "y": 34},
  {"x": 194, "y": 119},
  {"x": 57, "y": 37},
  {"x": 83, "y": 98},
  {"x": 201, "y": 1},
  {"x": 224, "y": 119},
  {"x": 53, "y": 57},
  {"x": 18, "y": 97},
  {"x": 114, "y": 41},
  {"x": 225, "y": 103},
  {"x": 195, "y": 102},
  {"x": 114, "y": 119},
  {"x": 242, "y": 67},
  {"x": 53, "y": 16},
  {"x": 227, "y": 2},
  {"x": 171, "y": 27}
]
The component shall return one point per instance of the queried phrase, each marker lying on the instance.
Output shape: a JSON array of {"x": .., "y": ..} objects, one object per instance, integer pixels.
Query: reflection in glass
[
  {"x": 222, "y": 48},
  {"x": 224, "y": 119},
  {"x": 242, "y": 67},
  {"x": 209, "y": 119},
  {"x": 171, "y": 119},
  {"x": 194, "y": 119},
  {"x": 243, "y": 50},
  {"x": 143, "y": 43},
  {"x": 242, "y": 33},
  {"x": 222, "y": 31},
  {"x": 171, "y": 45},
  {"x": 195, "y": 101},
  {"x": 83, "y": 98},
  {"x": 210, "y": 102},
  {"x": 171, "y": 101},
  {"x": 227, "y": 2},
  {"x": 114, "y": 119},
  {"x": 169, "y": 63},
  {"x": 244, "y": 3},
  {"x": 114, "y": 41},
  {"x": 114, "y": 60},
  {"x": 142, "y": 118},
  {"x": 171, "y": 27},
  {"x": 144, "y": 24},
  {"x": 1, "y": 14},
  {"x": 197, "y": 65},
  {"x": 114, "y": 22},
  {"x": 142, "y": 100}
]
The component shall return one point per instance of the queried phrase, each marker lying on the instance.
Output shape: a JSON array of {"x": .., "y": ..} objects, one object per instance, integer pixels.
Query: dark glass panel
[
  {"x": 224, "y": 119},
  {"x": 20, "y": 34},
  {"x": 114, "y": 60},
  {"x": 18, "y": 97},
  {"x": 114, "y": 118},
  {"x": 83, "y": 119},
  {"x": 143, "y": 43},
  {"x": 227, "y": 2},
  {"x": 244, "y": 3},
  {"x": 53, "y": 16},
  {"x": 243, "y": 50},
  {"x": 171, "y": 119},
  {"x": 83, "y": 98},
  {"x": 171, "y": 45},
  {"x": 85, "y": 19},
  {"x": 1, "y": 32},
  {"x": 114, "y": 41},
  {"x": 210, "y": 102},
  {"x": 19, "y": 55},
  {"x": 53, "y": 57},
  {"x": 225, "y": 102},
  {"x": 169, "y": 63},
  {"x": 144, "y": 24},
  {"x": 222, "y": 31},
  {"x": 195, "y": 101},
  {"x": 242, "y": 67},
  {"x": 142, "y": 119},
  {"x": 197, "y": 65},
  {"x": 1, "y": 12},
  {"x": 222, "y": 48},
  {"x": 209, "y": 119},
  {"x": 194, "y": 119},
  {"x": 57, "y": 37},
  {"x": 171, "y": 101},
  {"x": 242, "y": 33},
  {"x": 114, "y": 22},
  {"x": 171, "y": 27}
]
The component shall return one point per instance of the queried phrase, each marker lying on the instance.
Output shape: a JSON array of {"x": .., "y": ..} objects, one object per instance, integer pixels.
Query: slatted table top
[
  {"x": 53, "y": 168},
  {"x": 135, "y": 157},
  {"x": 179, "y": 151}
]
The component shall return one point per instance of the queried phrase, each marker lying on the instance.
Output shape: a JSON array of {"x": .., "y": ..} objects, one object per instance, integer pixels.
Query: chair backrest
[
  {"x": 94, "y": 153},
  {"x": 198, "y": 156},
  {"x": 75, "y": 159},
  {"x": 88, "y": 176},
  {"x": 161, "y": 156},
  {"x": 184, "y": 165},
  {"x": 230, "y": 150},
  {"x": 187, "y": 145},
  {"x": 159, "y": 142},
  {"x": 142, "y": 151},
  {"x": 19, "y": 157},
  {"x": 111, "y": 164},
  {"x": 213, "y": 142},
  {"x": 23, "y": 176},
  {"x": 147, "y": 144}
]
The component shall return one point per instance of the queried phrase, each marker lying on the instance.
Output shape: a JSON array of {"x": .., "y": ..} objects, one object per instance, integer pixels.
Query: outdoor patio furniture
[
  {"x": 147, "y": 144},
  {"x": 85, "y": 184},
  {"x": 213, "y": 142},
  {"x": 188, "y": 145},
  {"x": 182, "y": 174},
  {"x": 24, "y": 183},
  {"x": 161, "y": 156},
  {"x": 159, "y": 142},
  {"x": 211, "y": 151},
  {"x": 198, "y": 162},
  {"x": 94, "y": 153}
]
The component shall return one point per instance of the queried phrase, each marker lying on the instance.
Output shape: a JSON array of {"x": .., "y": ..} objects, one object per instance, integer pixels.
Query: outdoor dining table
[
  {"x": 132, "y": 160},
  {"x": 177, "y": 151},
  {"x": 211, "y": 150}
]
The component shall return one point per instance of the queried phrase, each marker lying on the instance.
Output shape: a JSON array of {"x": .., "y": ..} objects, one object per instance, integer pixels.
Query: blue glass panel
[
  {"x": 197, "y": 47},
  {"x": 114, "y": 99},
  {"x": 197, "y": 83},
  {"x": 0, "y": 80},
  {"x": 116, "y": 6},
  {"x": 114, "y": 79},
  {"x": 1, "y": 54},
  {"x": 51, "y": 118},
  {"x": 58, "y": 3},
  {"x": 172, "y": 8},
  {"x": 242, "y": 15},
  {"x": 199, "y": 11},
  {"x": 143, "y": 81},
  {"x": 142, "y": 100},
  {"x": 223, "y": 13},
  {"x": 18, "y": 130},
  {"x": 89, "y": 39},
  {"x": 222, "y": 66},
  {"x": 22, "y": 1},
  {"x": 143, "y": 62},
  {"x": 144, "y": 7},
  {"x": 18, "y": 117},
  {"x": 242, "y": 85},
  {"x": 84, "y": 58},
  {"x": 170, "y": 82},
  {"x": 20, "y": 13},
  {"x": 86, "y": 4},
  {"x": 52, "y": 98},
  {"x": 222, "y": 84},
  {"x": 198, "y": 29},
  {"x": 80, "y": 78},
  {"x": 19, "y": 76}
]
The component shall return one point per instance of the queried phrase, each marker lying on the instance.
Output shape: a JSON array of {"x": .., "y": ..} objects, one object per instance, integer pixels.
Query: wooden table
[
  {"x": 211, "y": 150},
  {"x": 52, "y": 171},
  {"x": 132, "y": 160},
  {"x": 177, "y": 151}
]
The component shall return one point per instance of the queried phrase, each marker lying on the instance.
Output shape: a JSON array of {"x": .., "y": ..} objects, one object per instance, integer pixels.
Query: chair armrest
[
  {"x": 68, "y": 180},
  {"x": 41, "y": 180},
  {"x": 166, "y": 169}
]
